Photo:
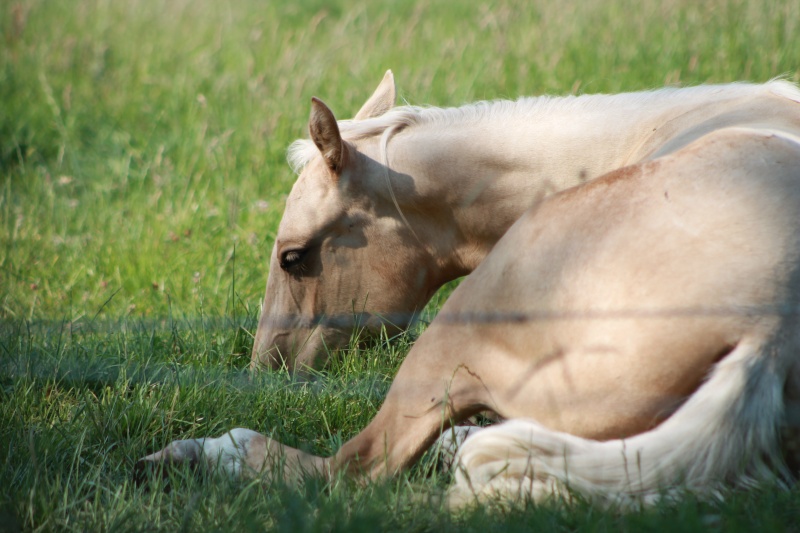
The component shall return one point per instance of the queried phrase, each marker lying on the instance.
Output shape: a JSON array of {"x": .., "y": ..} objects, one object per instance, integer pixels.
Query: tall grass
[
  {"x": 142, "y": 143},
  {"x": 142, "y": 178}
]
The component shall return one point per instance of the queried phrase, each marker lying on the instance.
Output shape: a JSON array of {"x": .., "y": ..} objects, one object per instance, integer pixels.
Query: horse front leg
[
  {"x": 426, "y": 399},
  {"x": 239, "y": 452},
  {"x": 428, "y": 396}
]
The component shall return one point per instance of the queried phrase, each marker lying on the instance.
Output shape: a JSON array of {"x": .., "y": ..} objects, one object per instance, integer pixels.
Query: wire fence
[
  {"x": 367, "y": 320},
  {"x": 71, "y": 359}
]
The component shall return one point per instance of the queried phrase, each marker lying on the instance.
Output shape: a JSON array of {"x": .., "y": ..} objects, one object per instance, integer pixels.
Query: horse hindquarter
[{"x": 733, "y": 198}]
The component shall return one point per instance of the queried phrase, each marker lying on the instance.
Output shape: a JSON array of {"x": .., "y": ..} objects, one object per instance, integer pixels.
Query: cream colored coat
[
  {"x": 642, "y": 333},
  {"x": 398, "y": 201}
]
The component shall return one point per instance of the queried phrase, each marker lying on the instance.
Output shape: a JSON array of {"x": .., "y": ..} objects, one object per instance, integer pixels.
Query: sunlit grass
[{"x": 81, "y": 406}]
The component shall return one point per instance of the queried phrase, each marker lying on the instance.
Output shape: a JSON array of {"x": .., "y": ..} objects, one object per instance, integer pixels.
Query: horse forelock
[
  {"x": 302, "y": 151},
  {"x": 300, "y": 154}
]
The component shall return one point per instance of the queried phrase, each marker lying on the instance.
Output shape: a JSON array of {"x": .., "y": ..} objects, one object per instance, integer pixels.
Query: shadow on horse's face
[{"x": 343, "y": 259}]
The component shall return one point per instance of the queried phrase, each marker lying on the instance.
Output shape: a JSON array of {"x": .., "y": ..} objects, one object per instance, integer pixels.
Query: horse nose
[{"x": 270, "y": 347}]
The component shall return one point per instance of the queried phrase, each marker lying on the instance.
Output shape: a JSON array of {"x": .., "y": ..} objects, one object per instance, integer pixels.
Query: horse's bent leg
[
  {"x": 240, "y": 451},
  {"x": 428, "y": 396},
  {"x": 434, "y": 388}
]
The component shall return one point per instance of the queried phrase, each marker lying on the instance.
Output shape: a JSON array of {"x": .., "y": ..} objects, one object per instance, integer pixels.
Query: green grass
[{"x": 142, "y": 177}]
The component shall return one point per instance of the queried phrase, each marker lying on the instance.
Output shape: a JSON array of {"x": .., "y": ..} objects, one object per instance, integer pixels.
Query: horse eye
[{"x": 291, "y": 258}]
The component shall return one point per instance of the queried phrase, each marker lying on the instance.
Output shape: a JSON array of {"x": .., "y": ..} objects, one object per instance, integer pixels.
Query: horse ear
[
  {"x": 381, "y": 101},
  {"x": 324, "y": 132}
]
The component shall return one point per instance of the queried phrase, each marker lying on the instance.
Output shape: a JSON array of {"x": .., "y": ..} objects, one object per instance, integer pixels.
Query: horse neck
[{"x": 474, "y": 179}]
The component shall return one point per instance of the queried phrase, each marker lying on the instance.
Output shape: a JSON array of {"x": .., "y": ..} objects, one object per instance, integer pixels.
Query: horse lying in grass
[
  {"x": 393, "y": 204},
  {"x": 640, "y": 331}
]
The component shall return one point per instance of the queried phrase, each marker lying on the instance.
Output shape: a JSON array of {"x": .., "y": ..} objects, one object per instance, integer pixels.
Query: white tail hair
[{"x": 726, "y": 434}]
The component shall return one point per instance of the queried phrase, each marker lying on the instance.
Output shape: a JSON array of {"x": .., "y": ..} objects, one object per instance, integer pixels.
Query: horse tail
[{"x": 725, "y": 434}]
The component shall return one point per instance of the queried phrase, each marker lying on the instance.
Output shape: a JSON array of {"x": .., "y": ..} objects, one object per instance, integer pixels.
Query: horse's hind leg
[{"x": 451, "y": 441}]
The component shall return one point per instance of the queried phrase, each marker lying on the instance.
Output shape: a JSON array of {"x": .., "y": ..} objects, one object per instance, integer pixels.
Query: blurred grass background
[
  {"x": 142, "y": 178},
  {"x": 142, "y": 143}
]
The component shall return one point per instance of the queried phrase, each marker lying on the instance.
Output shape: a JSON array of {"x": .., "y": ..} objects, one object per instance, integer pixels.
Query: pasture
[{"x": 142, "y": 159}]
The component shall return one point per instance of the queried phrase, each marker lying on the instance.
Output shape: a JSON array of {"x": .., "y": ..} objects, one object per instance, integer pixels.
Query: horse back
[{"x": 777, "y": 110}]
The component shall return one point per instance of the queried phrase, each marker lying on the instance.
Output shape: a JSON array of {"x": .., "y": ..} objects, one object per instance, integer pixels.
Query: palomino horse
[
  {"x": 641, "y": 331},
  {"x": 398, "y": 201}
]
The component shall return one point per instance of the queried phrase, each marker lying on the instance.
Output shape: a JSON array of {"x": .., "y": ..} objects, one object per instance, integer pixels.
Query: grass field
[{"x": 142, "y": 177}]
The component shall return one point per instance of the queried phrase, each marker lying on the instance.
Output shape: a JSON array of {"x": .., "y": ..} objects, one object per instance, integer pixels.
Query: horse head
[{"x": 345, "y": 254}]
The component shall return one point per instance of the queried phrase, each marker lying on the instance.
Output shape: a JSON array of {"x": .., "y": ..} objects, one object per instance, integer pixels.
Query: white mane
[{"x": 302, "y": 151}]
